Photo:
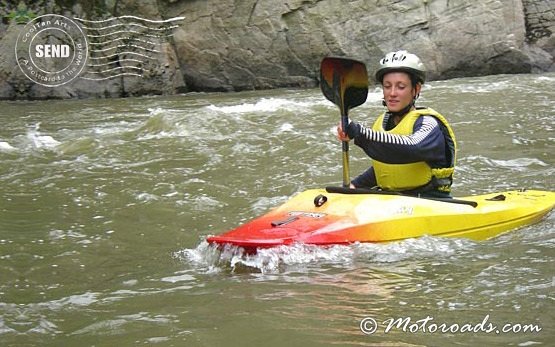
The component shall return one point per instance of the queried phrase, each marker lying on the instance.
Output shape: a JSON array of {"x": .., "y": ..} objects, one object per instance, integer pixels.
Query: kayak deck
[{"x": 321, "y": 217}]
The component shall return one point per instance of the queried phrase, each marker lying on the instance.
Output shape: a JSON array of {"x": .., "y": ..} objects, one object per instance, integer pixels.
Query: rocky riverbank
[{"x": 228, "y": 45}]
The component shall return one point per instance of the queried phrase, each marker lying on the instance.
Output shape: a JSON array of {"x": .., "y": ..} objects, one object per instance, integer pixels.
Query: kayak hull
[{"x": 348, "y": 218}]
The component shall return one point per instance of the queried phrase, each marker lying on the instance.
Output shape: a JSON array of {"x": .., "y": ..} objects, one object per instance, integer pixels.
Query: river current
[{"x": 105, "y": 206}]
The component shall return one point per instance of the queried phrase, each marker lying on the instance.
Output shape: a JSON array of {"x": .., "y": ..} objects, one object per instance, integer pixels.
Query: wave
[
  {"x": 38, "y": 141},
  {"x": 212, "y": 259},
  {"x": 277, "y": 104},
  {"x": 160, "y": 124},
  {"x": 266, "y": 105},
  {"x": 489, "y": 87},
  {"x": 518, "y": 164},
  {"x": 6, "y": 147},
  {"x": 78, "y": 146},
  {"x": 286, "y": 127},
  {"x": 545, "y": 79}
]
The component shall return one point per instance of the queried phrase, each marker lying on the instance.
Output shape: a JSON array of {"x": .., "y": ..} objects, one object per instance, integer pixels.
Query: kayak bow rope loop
[{"x": 345, "y": 83}]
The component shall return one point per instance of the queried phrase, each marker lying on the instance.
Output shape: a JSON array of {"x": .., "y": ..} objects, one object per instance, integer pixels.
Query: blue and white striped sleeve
[{"x": 426, "y": 143}]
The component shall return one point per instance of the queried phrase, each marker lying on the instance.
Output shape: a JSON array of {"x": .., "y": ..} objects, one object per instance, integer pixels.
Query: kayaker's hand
[{"x": 341, "y": 135}]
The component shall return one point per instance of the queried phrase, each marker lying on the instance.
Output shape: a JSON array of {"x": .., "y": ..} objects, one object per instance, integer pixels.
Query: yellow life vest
[{"x": 414, "y": 176}]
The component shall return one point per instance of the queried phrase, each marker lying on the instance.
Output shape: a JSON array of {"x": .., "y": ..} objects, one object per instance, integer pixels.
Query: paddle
[{"x": 345, "y": 83}]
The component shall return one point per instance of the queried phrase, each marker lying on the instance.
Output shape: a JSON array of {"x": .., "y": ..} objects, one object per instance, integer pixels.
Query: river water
[{"x": 105, "y": 206}]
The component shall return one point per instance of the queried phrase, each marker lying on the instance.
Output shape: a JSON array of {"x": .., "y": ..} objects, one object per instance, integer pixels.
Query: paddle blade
[{"x": 344, "y": 82}]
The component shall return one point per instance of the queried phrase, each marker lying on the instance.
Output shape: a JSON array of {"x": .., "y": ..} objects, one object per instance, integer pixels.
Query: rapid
[{"x": 105, "y": 206}]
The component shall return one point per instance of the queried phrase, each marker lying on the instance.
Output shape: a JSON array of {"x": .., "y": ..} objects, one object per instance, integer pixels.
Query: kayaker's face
[{"x": 398, "y": 92}]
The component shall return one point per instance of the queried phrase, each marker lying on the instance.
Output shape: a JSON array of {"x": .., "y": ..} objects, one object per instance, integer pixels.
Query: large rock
[
  {"x": 540, "y": 27},
  {"x": 225, "y": 45},
  {"x": 258, "y": 44}
]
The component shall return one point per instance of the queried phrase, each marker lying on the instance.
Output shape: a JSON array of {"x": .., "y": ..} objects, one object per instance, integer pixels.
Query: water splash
[
  {"x": 268, "y": 105},
  {"x": 6, "y": 147},
  {"x": 210, "y": 258},
  {"x": 39, "y": 141}
]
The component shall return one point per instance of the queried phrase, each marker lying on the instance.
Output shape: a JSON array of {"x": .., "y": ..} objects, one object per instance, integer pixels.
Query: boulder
[
  {"x": 228, "y": 45},
  {"x": 257, "y": 44}
]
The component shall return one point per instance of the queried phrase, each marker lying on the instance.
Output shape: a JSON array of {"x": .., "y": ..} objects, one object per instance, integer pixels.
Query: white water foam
[
  {"x": 286, "y": 127},
  {"x": 6, "y": 147},
  {"x": 39, "y": 141},
  {"x": 210, "y": 258},
  {"x": 269, "y": 105},
  {"x": 517, "y": 164},
  {"x": 545, "y": 79}
]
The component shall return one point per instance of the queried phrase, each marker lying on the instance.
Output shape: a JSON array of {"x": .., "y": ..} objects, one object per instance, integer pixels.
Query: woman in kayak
[{"x": 412, "y": 148}]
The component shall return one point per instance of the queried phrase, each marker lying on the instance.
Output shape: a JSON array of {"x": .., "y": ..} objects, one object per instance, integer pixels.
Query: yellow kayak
[{"x": 343, "y": 216}]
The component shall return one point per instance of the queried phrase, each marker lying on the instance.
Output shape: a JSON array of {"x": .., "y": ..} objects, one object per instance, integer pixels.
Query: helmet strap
[
  {"x": 417, "y": 88},
  {"x": 403, "y": 111}
]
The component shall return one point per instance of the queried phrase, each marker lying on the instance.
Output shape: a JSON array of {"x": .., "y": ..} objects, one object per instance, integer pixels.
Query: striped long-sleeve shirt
[{"x": 426, "y": 143}]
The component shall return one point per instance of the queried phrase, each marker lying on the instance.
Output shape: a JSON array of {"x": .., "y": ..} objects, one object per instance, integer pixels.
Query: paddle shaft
[{"x": 345, "y": 149}]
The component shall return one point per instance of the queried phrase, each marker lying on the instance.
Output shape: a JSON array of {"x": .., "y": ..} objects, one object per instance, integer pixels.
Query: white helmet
[{"x": 402, "y": 61}]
